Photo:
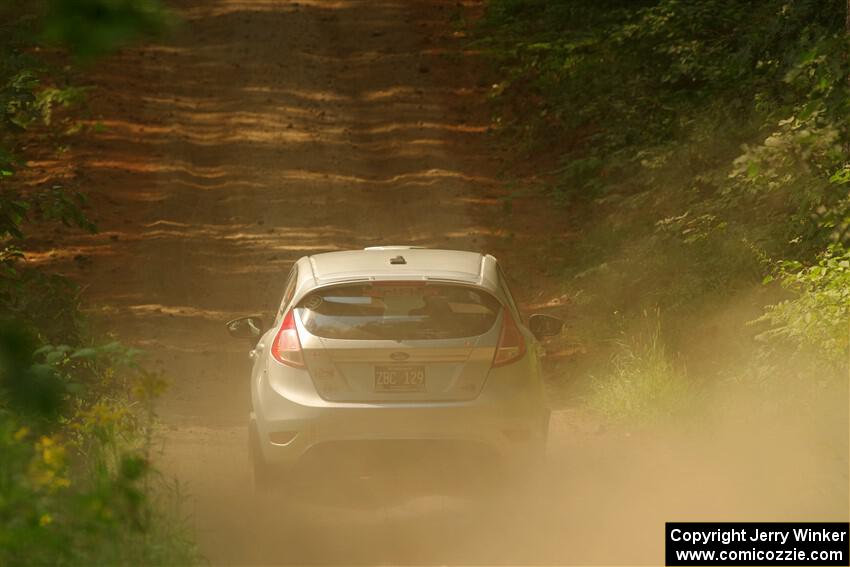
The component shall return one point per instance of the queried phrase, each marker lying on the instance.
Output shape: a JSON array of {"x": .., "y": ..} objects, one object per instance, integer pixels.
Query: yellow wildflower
[
  {"x": 48, "y": 470},
  {"x": 52, "y": 454}
]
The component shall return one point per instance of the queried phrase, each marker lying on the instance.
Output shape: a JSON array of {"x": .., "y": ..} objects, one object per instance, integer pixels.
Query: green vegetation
[
  {"x": 77, "y": 426},
  {"x": 644, "y": 382},
  {"x": 76, "y": 438},
  {"x": 702, "y": 148},
  {"x": 817, "y": 318}
]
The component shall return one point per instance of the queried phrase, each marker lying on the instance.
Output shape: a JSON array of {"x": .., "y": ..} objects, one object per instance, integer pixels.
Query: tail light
[
  {"x": 286, "y": 347},
  {"x": 511, "y": 345}
]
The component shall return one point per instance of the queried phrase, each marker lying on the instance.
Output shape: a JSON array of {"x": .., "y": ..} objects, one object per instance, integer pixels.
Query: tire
[{"x": 262, "y": 474}]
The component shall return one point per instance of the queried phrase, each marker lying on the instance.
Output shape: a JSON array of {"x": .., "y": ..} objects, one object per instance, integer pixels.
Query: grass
[{"x": 644, "y": 383}]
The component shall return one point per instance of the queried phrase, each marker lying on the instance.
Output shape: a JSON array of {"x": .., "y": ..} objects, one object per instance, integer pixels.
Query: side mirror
[
  {"x": 246, "y": 328},
  {"x": 544, "y": 325}
]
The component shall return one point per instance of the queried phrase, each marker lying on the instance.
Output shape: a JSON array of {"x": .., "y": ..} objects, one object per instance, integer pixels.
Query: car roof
[{"x": 397, "y": 262}]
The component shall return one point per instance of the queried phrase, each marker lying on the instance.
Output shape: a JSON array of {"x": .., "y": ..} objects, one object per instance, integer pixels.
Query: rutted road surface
[
  {"x": 270, "y": 129},
  {"x": 264, "y": 131}
]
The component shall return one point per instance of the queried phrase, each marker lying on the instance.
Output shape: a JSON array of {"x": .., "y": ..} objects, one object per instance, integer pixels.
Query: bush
[
  {"x": 76, "y": 481},
  {"x": 817, "y": 318}
]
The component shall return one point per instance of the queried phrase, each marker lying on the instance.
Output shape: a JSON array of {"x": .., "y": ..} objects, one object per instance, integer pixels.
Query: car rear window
[{"x": 398, "y": 311}]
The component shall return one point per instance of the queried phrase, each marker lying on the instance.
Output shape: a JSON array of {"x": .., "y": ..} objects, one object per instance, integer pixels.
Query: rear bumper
[{"x": 509, "y": 418}]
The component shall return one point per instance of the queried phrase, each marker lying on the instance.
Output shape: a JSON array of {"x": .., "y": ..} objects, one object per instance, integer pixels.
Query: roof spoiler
[{"x": 394, "y": 248}]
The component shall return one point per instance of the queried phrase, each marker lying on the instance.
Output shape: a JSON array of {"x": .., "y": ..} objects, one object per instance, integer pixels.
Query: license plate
[{"x": 399, "y": 378}]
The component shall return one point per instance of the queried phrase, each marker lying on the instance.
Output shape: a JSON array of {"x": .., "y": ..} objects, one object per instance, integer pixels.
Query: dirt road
[
  {"x": 264, "y": 131},
  {"x": 270, "y": 129}
]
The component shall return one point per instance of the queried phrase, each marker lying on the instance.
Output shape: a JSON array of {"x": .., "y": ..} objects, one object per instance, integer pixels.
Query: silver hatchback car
[{"x": 394, "y": 344}]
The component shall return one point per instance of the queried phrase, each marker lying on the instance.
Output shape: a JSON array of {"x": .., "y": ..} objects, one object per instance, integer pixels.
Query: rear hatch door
[{"x": 399, "y": 341}]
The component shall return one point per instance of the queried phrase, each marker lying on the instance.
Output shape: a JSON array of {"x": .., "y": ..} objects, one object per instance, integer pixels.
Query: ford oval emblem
[{"x": 399, "y": 356}]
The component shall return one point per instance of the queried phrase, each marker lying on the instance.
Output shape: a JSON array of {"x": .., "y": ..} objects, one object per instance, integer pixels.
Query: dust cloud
[{"x": 602, "y": 497}]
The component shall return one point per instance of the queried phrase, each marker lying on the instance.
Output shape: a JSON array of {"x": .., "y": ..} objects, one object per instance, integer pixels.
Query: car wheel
[{"x": 261, "y": 471}]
